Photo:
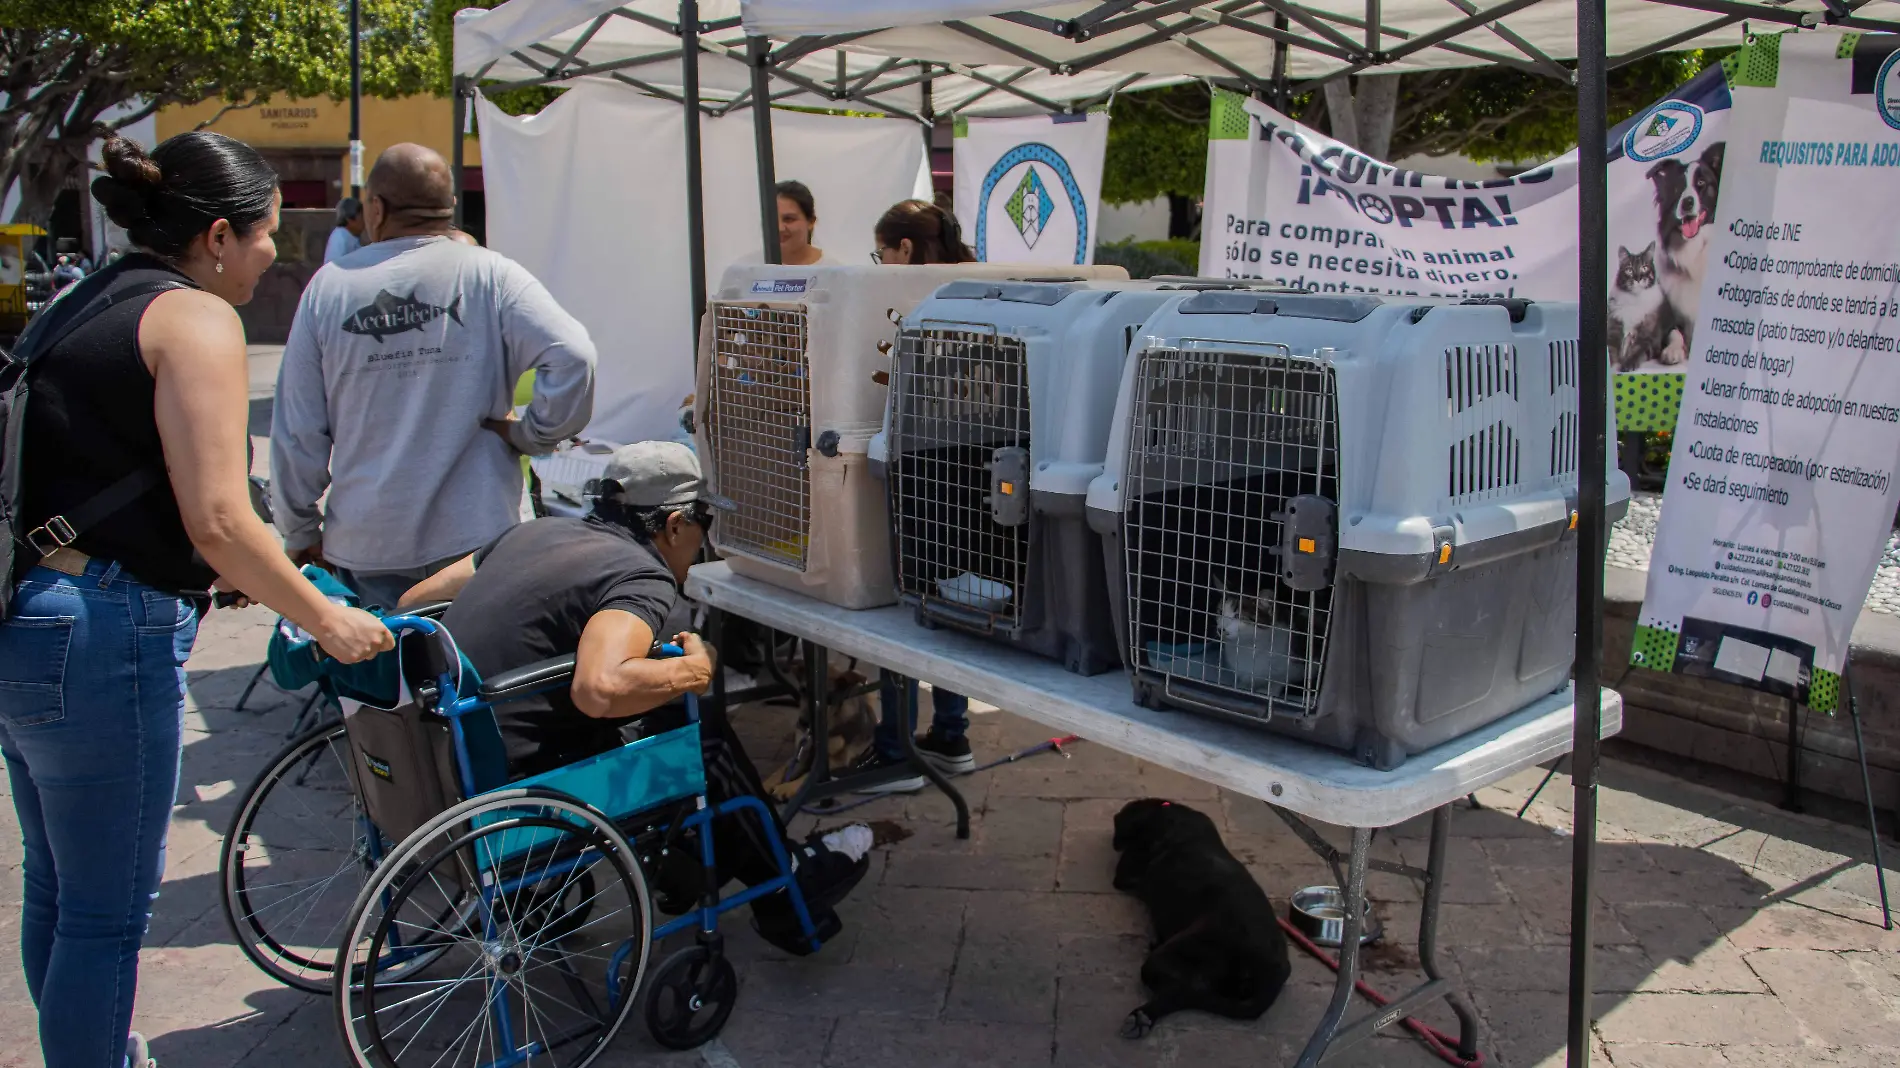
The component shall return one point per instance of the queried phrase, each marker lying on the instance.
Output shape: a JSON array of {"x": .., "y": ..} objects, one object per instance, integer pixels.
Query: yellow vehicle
[{"x": 16, "y": 241}]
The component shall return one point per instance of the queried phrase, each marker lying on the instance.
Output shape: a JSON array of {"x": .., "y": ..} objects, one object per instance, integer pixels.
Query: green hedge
[{"x": 1145, "y": 259}]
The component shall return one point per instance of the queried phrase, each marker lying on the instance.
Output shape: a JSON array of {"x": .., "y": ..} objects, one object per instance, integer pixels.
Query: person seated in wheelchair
[{"x": 606, "y": 588}]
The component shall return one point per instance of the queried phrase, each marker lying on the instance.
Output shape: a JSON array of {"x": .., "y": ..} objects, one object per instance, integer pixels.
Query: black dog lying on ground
[{"x": 1218, "y": 947}]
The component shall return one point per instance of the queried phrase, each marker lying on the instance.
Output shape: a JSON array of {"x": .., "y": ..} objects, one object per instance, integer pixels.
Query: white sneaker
[
  {"x": 853, "y": 841},
  {"x": 138, "y": 1052}
]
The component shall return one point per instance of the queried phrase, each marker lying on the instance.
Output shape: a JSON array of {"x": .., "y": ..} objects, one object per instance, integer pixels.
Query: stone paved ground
[
  {"x": 1633, "y": 538},
  {"x": 1730, "y": 935}
]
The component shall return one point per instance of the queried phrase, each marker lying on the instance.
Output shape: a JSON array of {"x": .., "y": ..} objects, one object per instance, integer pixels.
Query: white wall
[{"x": 1146, "y": 221}]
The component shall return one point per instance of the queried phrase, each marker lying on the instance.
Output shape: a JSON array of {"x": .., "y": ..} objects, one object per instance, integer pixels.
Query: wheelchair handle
[
  {"x": 400, "y": 624},
  {"x": 669, "y": 649}
]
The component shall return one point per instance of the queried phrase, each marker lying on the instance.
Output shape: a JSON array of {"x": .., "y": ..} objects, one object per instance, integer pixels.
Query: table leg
[
  {"x": 818, "y": 712},
  {"x": 1428, "y": 933},
  {"x": 1348, "y": 975},
  {"x": 930, "y": 771}
]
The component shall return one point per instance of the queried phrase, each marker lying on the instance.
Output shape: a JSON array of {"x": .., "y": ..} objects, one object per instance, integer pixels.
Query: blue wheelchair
[{"x": 510, "y": 922}]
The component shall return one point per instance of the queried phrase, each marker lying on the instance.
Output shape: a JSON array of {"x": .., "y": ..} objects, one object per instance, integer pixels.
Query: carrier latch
[
  {"x": 1309, "y": 541},
  {"x": 1009, "y": 486}
]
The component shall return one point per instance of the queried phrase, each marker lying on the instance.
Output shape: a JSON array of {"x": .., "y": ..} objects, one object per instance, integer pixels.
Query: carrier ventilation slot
[
  {"x": 759, "y": 428},
  {"x": 959, "y": 477},
  {"x": 1564, "y": 425},
  {"x": 1221, "y": 441},
  {"x": 1563, "y": 366},
  {"x": 1476, "y": 373},
  {"x": 1484, "y": 463}
]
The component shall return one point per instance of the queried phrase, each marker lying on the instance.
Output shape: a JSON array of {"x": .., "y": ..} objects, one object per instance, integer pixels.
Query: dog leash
[
  {"x": 1440, "y": 1043},
  {"x": 1053, "y": 745}
]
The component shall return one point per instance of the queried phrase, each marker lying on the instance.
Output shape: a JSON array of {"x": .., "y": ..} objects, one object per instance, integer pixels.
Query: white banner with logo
[
  {"x": 1029, "y": 190},
  {"x": 1781, "y": 479},
  {"x": 1289, "y": 204}
]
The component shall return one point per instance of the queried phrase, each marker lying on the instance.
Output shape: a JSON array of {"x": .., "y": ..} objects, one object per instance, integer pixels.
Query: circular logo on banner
[
  {"x": 1030, "y": 197},
  {"x": 1664, "y": 130},
  {"x": 1887, "y": 91}
]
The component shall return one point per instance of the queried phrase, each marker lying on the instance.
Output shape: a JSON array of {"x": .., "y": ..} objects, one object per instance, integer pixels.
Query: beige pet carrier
[{"x": 793, "y": 372}]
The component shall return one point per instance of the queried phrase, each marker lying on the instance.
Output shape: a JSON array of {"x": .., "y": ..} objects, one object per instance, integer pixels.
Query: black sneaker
[
  {"x": 951, "y": 756},
  {"x": 870, "y": 760},
  {"x": 824, "y": 876}
]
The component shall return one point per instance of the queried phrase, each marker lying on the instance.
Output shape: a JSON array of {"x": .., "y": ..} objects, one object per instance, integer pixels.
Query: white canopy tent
[{"x": 921, "y": 58}]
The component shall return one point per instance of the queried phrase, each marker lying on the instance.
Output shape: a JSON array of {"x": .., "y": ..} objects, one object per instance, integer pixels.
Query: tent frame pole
[
  {"x": 695, "y": 193},
  {"x": 759, "y": 52},
  {"x": 1592, "y": 531},
  {"x": 462, "y": 88}
]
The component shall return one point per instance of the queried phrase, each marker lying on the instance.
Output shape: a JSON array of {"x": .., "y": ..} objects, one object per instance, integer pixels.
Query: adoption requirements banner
[
  {"x": 1781, "y": 489},
  {"x": 1288, "y": 204},
  {"x": 1029, "y": 190}
]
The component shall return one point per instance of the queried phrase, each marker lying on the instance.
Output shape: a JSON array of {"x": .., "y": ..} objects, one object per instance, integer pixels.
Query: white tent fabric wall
[{"x": 590, "y": 195}]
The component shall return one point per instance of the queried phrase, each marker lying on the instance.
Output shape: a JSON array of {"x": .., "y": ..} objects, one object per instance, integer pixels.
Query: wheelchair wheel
[
  {"x": 691, "y": 995},
  {"x": 542, "y": 953},
  {"x": 294, "y": 859}
]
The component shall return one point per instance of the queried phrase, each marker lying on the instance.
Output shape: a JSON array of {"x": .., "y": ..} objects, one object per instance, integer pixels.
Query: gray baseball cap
[{"x": 660, "y": 474}]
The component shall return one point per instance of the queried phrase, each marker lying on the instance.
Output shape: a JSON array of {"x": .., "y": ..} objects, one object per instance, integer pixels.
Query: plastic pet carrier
[
  {"x": 1346, "y": 518},
  {"x": 1002, "y": 398},
  {"x": 792, "y": 371}
]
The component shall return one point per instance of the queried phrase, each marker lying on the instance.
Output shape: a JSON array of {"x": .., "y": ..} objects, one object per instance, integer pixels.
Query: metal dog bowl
[{"x": 1320, "y": 914}]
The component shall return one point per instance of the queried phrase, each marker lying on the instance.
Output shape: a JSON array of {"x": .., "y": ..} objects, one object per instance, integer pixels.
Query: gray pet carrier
[
  {"x": 1344, "y": 518},
  {"x": 998, "y": 419}
]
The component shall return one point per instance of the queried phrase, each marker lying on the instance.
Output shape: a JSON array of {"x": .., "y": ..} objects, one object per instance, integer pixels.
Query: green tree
[
  {"x": 1157, "y": 143},
  {"x": 66, "y": 65}
]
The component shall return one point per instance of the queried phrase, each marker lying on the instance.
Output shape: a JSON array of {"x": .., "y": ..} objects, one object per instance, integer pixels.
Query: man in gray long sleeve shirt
[{"x": 396, "y": 391}]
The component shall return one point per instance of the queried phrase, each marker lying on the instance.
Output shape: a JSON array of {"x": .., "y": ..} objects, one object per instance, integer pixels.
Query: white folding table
[{"x": 1296, "y": 779}]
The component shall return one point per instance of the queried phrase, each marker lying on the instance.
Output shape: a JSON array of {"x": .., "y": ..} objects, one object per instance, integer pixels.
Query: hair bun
[
  {"x": 128, "y": 163},
  {"x": 125, "y": 205},
  {"x": 130, "y": 180}
]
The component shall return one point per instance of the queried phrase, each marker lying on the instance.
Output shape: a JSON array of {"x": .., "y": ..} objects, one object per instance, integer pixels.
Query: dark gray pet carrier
[{"x": 1347, "y": 519}]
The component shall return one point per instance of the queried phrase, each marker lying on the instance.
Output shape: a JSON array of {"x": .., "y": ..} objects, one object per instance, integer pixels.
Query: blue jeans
[
  {"x": 92, "y": 692},
  {"x": 950, "y": 715}
]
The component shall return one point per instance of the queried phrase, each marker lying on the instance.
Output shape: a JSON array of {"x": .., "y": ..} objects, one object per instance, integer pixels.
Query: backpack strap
[
  {"x": 37, "y": 341},
  {"x": 62, "y": 530}
]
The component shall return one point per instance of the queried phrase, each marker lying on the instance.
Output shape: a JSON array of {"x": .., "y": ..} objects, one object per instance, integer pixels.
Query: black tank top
[{"x": 90, "y": 422}]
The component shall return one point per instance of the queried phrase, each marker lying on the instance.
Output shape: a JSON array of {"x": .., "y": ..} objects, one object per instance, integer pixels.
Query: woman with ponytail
[
  {"x": 917, "y": 231},
  {"x": 135, "y": 502}
]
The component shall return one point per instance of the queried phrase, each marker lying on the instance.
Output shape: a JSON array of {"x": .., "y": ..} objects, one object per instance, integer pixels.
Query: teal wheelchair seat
[{"x": 431, "y": 740}]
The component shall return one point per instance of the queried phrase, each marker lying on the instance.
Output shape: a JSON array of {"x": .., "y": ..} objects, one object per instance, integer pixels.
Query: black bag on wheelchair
[{"x": 403, "y": 757}]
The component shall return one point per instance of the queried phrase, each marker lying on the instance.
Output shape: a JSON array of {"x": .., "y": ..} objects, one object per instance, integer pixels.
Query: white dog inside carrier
[
  {"x": 1002, "y": 399},
  {"x": 792, "y": 387},
  {"x": 1345, "y": 518}
]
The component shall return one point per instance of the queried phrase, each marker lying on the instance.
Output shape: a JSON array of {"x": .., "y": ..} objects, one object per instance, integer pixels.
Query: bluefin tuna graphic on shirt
[{"x": 390, "y": 314}]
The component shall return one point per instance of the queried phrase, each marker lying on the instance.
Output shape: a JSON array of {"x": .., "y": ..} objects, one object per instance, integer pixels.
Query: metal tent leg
[
  {"x": 1593, "y": 419},
  {"x": 1867, "y": 790},
  {"x": 759, "y": 55}
]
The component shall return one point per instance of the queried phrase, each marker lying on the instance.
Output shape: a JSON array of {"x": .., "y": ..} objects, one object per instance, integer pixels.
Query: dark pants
[{"x": 950, "y": 715}]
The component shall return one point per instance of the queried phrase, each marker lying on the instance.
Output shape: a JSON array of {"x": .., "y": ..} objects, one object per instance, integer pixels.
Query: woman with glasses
[{"x": 917, "y": 232}]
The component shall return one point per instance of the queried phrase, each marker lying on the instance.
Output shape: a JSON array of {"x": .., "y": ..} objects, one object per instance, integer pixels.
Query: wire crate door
[
  {"x": 960, "y": 475},
  {"x": 1221, "y": 442},
  {"x": 759, "y": 423}
]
